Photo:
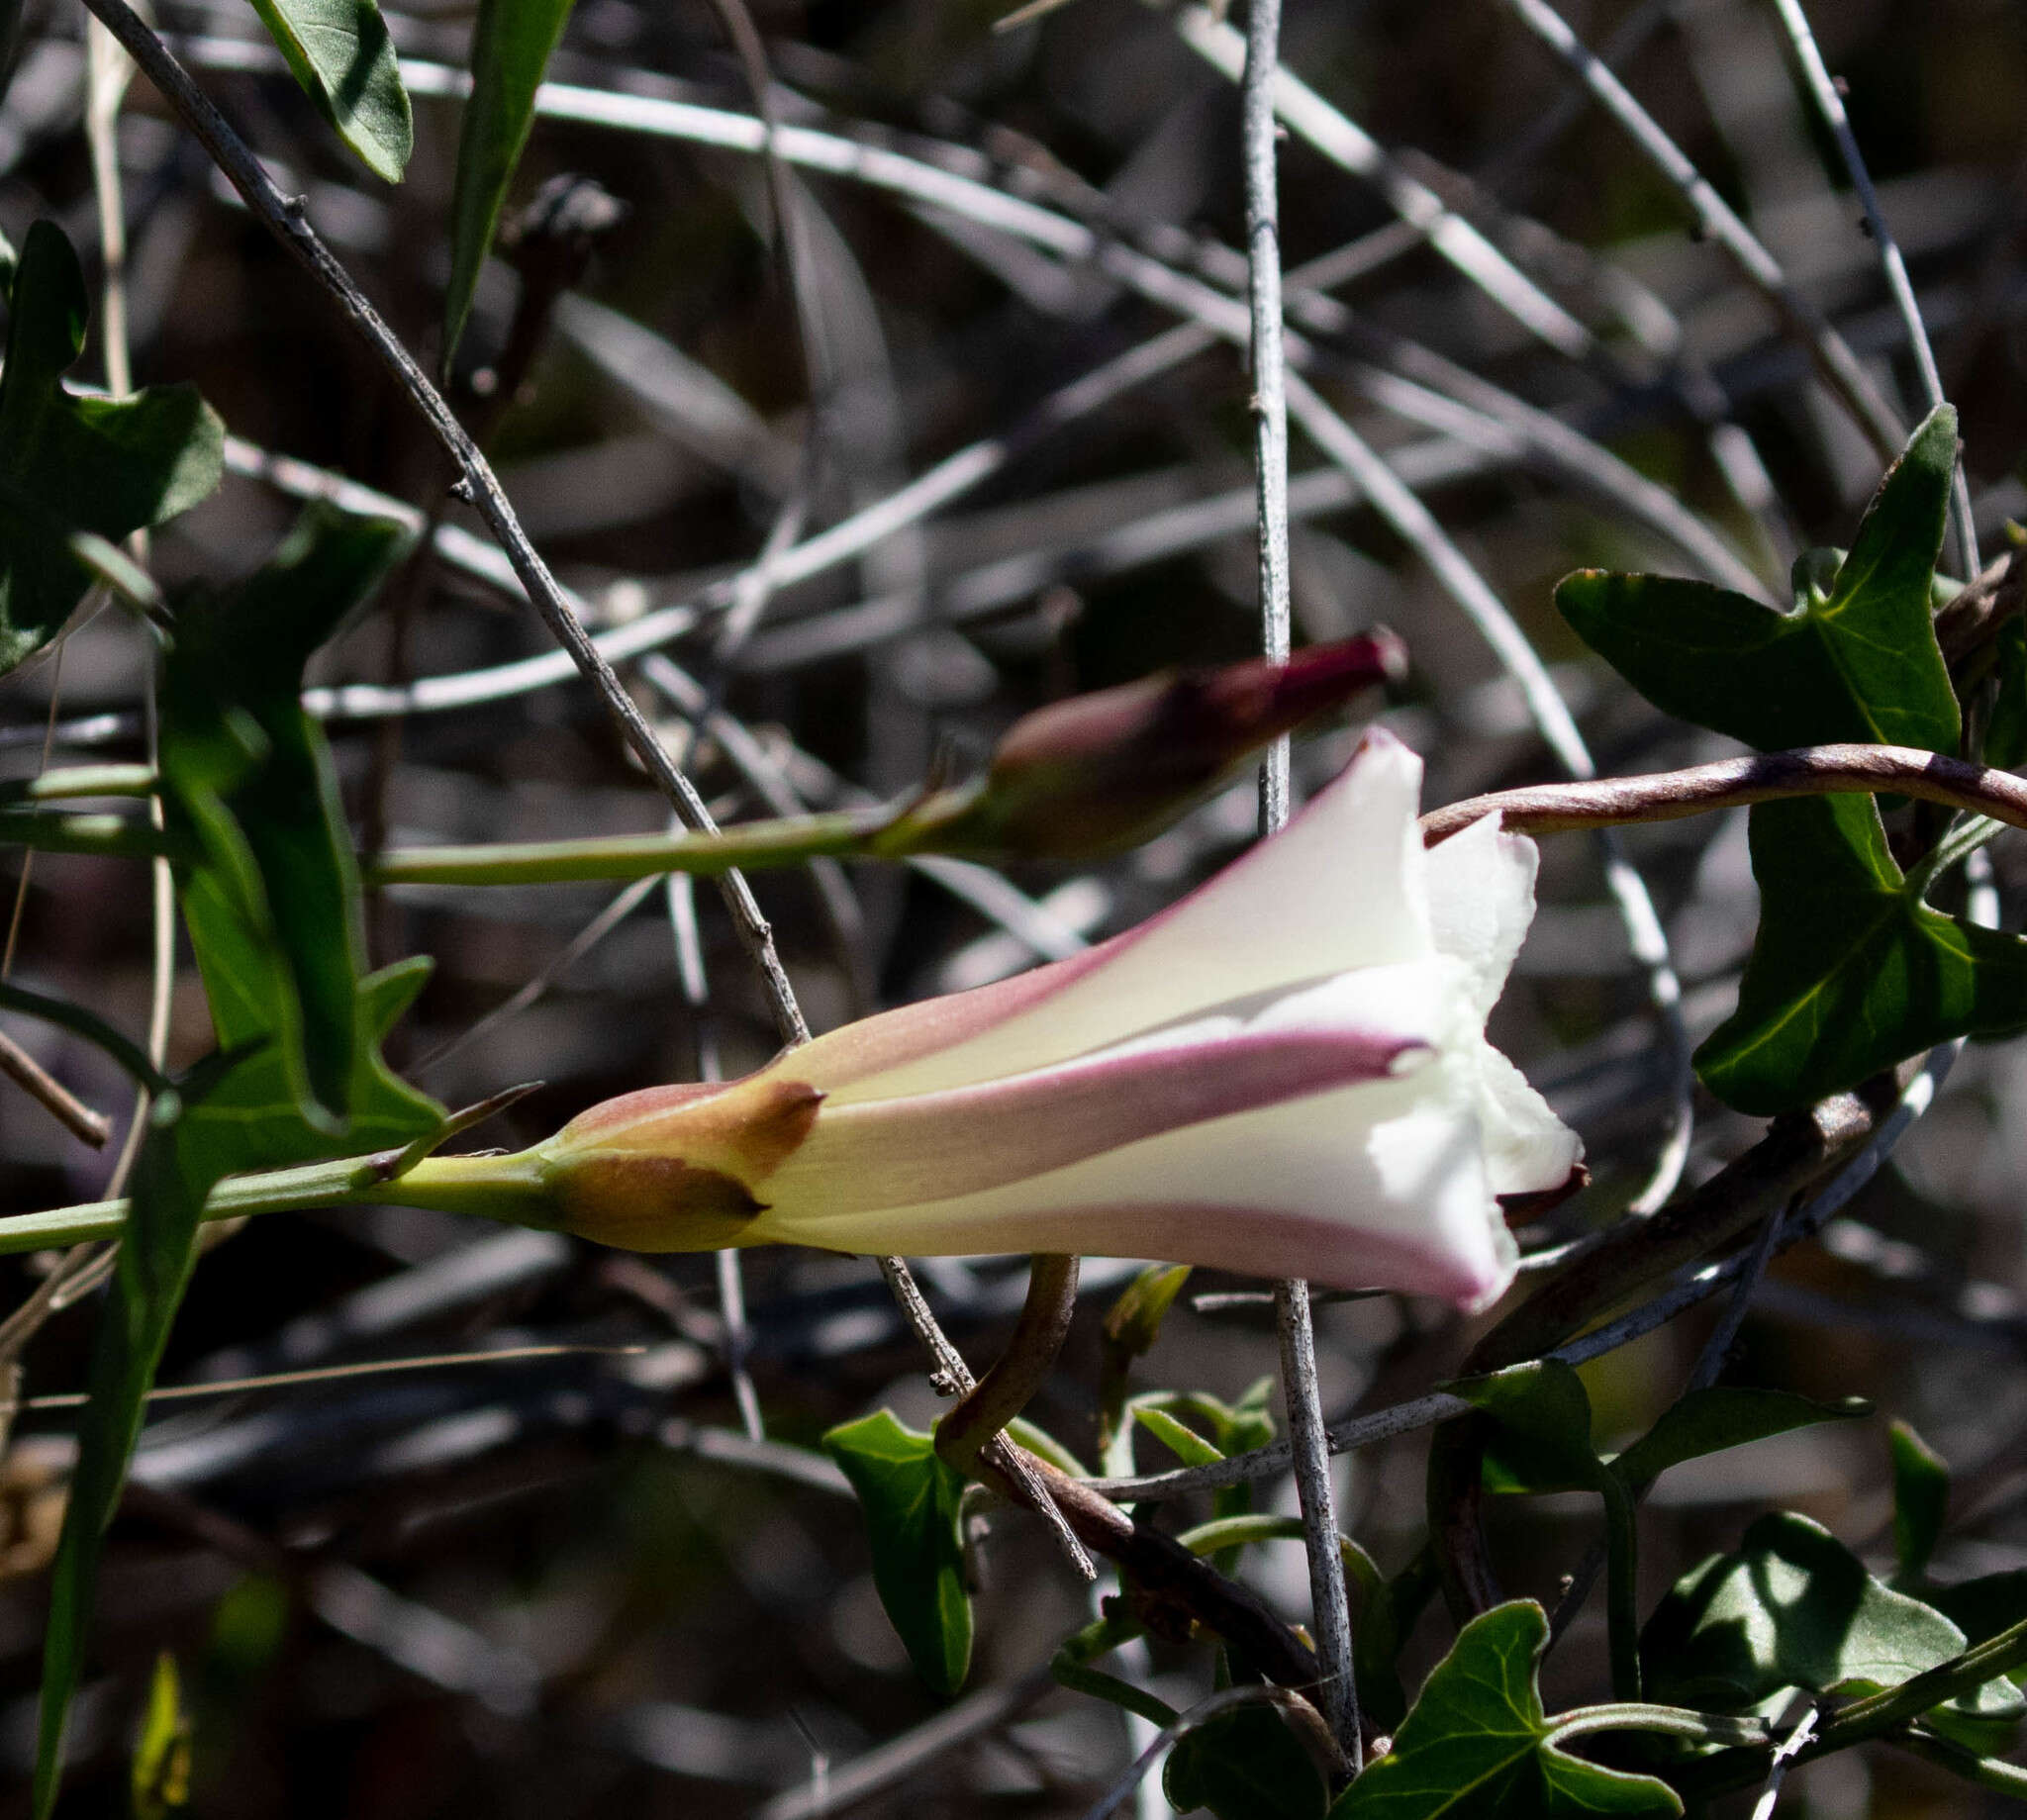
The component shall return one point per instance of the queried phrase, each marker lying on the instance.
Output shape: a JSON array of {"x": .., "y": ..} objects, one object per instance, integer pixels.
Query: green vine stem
[{"x": 951, "y": 822}]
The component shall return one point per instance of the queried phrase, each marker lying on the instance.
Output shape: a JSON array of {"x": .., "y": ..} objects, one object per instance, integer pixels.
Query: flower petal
[
  {"x": 1480, "y": 892},
  {"x": 1381, "y": 1184},
  {"x": 889, "y": 1153},
  {"x": 1341, "y": 887}
]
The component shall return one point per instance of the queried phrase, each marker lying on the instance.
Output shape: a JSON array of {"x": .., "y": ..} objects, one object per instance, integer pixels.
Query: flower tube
[{"x": 1285, "y": 1074}]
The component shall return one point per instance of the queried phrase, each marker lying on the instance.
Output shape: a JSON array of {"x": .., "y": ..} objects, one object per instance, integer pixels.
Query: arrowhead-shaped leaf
[
  {"x": 1850, "y": 972},
  {"x": 1478, "y": 1744},
  {"x": 339, "y": 52},
  {"x": 104, "y": 465},
  {"x": 272, "y": 903},
  {"x": 511, "y": 45},
  {"x": 269, "y": 892},
  {"x": 1856, "y": 659},
  {"x": 911, "y": 1500}
]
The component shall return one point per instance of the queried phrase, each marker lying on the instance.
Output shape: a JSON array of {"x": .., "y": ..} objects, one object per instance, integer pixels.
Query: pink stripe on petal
[
  {"x": 891, "y": 1153},
  {"x": 1254, "y": 1241},
  {"x": 891, "y": 1039},
  {"x": 1339, "y": 888}
]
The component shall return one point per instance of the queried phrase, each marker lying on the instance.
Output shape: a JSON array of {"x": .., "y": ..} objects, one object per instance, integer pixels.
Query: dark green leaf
[
  {"x": 2005, "y": 733},
  {"x": 1478, "y": 1746},
  {"x": 1132, "y": 1325},
  {"x": 1543, "y": 1444},
  {"x": 1856, "y": 659},
  {"x": 1850, "y": 972},
  {"x": 172, "y": 1176},
  {"x": 911, "y": 1499},
  {"x": 1921, "y": 1499},
  {"x": 1243, "y": 1765},
  {"x": 107, "y": 466},
  {"x": 1711, "y": 1420},
  {"x": 272, "y": 897},
  {"x": 1793, "y": 1607},
  {"x": 1983, "y": 1607},
  {"x": 511, "y": 45},
  {"x": 339, "y": 52}
]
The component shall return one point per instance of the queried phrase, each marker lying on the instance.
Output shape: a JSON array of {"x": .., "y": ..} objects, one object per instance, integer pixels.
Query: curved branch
[{"x": 1809, "y": 771}]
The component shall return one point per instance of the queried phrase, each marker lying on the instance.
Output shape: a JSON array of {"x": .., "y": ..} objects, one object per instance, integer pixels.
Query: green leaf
[
  {"x": 1185, "y": 1443},
  {"x": 1243, "y": 1765},
  {"x": 1983, "y": 1607},
  {"x": 1793, "y": 1607},
  {"x": 1850, "y": 972},
  {"x": 911, "y": 1500},
  {"x": 172, "y": 1174},
  {"x": 511, "y": 45},
  {"x": 1856, "y": 659},
  {"x": 2005, "y": 733},
  {"x": 1921, "y": 1499},
  {"x": 1131, "y": 1326},
  {"x": 161, "y": 1781},
  {"x": 273, "y": 895},
  {"x": 1478, "y": 1746},
  {"x": 1543, "y": 1444},
  {"x": 342, "y": 57},
  {"x": 102, "y": 465},
  {"x": 1711, "y": 1420}
]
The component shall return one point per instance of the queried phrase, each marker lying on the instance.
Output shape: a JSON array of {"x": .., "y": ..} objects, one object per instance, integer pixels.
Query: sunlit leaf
[
  {"x": 339, "y": 52},
  {"x": 910, "y": 1503},
  {"x": 161, "y": 1781},
  {"x": 272, "y": 897},
  {"x": 1793, "y": 1607}
]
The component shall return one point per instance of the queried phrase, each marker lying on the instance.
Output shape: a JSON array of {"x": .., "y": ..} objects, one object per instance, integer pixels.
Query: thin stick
[
  {"x": 330, "y": 1374},
  {"x": 1830, "y": 104},
  {"x": 1258, "y": 85},
  {"x": 79, "y": 1119},
  {"x": 1718, "y": 222}
]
